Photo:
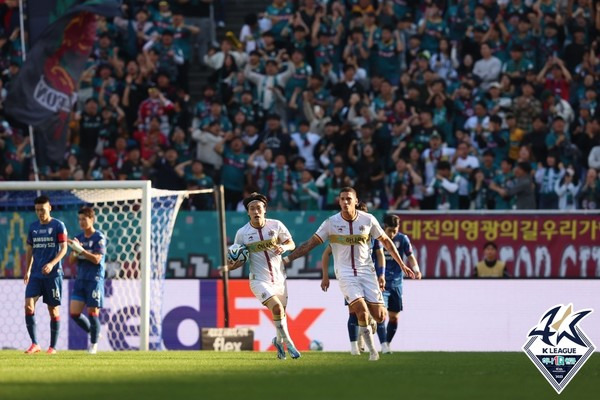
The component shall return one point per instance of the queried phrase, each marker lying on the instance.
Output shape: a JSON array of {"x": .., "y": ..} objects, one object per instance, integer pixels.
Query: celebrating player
[
  {"x": 266, "y": 240},
  {"x": 88, "y": 248},
  {"x": 348, "y": 233},
  {"x": 46, "y": 246},
  {"x": 392, "y": 295},
  {"x": 356, "y": 344}
]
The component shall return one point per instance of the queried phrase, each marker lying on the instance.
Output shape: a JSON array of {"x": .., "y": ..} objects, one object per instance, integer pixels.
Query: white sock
[
  {"x": 368, "y": 336},
  {"x": 282, "y": 331}
]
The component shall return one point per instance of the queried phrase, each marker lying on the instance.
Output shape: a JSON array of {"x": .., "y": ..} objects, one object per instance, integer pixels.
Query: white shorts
[
  {"x": 364, "y": 285},
  {"x": 263, "y": 291}
]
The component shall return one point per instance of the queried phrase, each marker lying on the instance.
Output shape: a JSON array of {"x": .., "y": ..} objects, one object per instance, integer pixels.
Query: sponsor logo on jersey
[{"x": 557, "y": 346}]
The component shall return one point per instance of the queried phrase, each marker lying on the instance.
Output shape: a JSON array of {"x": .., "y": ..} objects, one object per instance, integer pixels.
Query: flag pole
[{"x": 36, "y": 172}]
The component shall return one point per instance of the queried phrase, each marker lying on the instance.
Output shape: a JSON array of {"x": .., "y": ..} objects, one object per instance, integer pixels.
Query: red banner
[{"x": 532, "y": 245}]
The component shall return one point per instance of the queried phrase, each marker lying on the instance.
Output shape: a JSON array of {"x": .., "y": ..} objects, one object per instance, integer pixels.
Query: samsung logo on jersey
[{"x": 43, "y": 239}]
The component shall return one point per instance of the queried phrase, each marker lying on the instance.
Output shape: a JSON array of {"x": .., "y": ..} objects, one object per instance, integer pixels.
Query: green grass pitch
[{"x": 248, "y": 376}]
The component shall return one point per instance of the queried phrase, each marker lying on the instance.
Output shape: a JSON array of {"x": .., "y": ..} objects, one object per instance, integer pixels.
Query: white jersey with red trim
[
  {"x": 350, "y": 242},
  {"x": 265, "y": 265}
]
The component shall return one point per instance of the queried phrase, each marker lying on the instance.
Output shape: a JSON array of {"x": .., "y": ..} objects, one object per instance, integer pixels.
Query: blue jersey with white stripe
[
  {"x": 393, "y": 272},
  {"x": 45, "y": 240},
  {"x": 87, "y": 270}
]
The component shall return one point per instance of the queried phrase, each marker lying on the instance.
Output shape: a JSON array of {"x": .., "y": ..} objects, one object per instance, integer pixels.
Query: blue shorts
[
  {"x": 89, "y": 292},
  {"x": 49, "y": 288},
  {"x": 392, "y": 298}
]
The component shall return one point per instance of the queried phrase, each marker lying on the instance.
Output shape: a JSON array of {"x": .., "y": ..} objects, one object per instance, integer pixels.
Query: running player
[
  {"x": 392, "y": 295},
  {"x": 348, "y": 233},
  {"x": 267, "y": 240},
  {"x": 88, "y": 249},
  {"x": 46, "y": 246},
  {"x": 356, "y": 343}
]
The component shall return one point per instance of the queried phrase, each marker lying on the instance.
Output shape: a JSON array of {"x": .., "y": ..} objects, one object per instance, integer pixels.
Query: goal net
[{"x": 137, "y": 221}]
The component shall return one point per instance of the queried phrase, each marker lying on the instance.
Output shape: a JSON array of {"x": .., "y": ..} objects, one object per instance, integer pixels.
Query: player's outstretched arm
[
  {"x": 288, "y": 245},
  {"x": 389, "y": 246},
  {"x": 303, "y": 249}
]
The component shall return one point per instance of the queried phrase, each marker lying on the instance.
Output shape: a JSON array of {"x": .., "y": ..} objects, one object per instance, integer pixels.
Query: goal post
[{"x": 138, "y": 222}]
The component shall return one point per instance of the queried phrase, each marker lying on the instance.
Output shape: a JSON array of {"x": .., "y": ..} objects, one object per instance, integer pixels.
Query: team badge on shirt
[
  {"x": 558, "y": 346},
  {"x": 49, "y": 231}
]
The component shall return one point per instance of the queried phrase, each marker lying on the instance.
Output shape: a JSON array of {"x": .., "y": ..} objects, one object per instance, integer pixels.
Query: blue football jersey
[
  {"x": 87, "y": 270},
  {"x": 44, "y": 239},
  {"x": 393, "y": 272}
]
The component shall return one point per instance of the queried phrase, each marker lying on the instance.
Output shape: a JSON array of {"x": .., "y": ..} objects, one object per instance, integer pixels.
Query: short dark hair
[
  {"x": 349, "y": 189},
  {"x": 43, "y": 199},
  {"x": 509, "y": 161},
  {"x": 492, "y": 244},
  {"x": 525, "y": 166},
  {"x": 391, "y": 221},
  {"x": 445, "y": 165},
  {"x": 87, "y": 211},
  {"x": 496, "y": 119},
  {"x": 255, "y": 196},
  {"x": 349, "y": 67}
]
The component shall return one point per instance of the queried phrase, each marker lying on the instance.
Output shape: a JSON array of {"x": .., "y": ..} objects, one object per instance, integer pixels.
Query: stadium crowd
[{"x": 460, "y": 104}]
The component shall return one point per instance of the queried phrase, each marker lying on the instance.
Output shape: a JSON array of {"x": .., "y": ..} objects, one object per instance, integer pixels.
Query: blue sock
[
  {"x": 352, "y": 327},
  {"x": 54, "y": 329},
  {"x": 94, "y": 328},
  {"x": 381, "y": 334},
  {"x": 82, "y": 321},
  {"x": 30, "y": 323},
  {"x": 391, "y": 330}
]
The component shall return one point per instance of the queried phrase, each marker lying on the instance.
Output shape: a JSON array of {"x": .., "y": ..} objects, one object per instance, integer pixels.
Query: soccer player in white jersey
[
  {"x": 348, "y": 233},
  {"x": 356, "y": 342},
  {"x": 266, "y": 240}
]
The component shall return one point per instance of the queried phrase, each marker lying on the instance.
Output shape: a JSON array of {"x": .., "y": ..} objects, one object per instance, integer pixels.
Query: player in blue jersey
[
  {"x": 46, "y": 246},
  {"x": 392, "y": 295},
  {"x": 88, "y": 249}
]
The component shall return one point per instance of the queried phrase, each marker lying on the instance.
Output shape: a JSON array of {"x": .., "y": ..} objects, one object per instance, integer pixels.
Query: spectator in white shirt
[
  {"x": 566, "y": 189},
  {"x": 464, "y": 165},
  {"x": 488, "y": 68},
  {"x": 306, "y": 142}
]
